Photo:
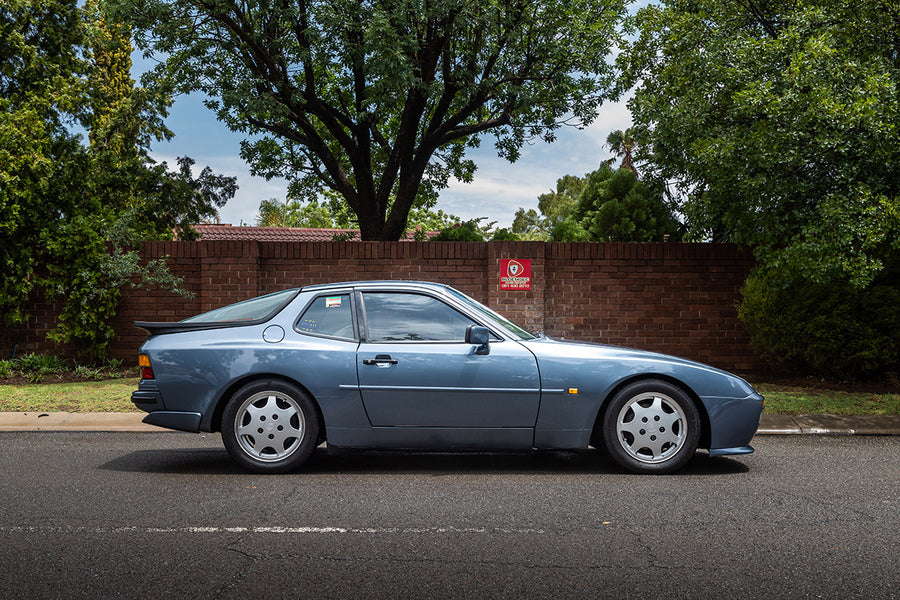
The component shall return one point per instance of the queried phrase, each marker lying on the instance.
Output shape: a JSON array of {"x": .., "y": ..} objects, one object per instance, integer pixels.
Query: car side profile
[{"x": 421, "y": 366}]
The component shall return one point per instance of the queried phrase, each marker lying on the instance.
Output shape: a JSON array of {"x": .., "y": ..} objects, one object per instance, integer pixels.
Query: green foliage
[
  {"x": 334, "y": 213},
  {"x": 623, "y": 144},
  {"x": 569, "y": 230},
  {"x": 381, "y": 100},
  {"x": 561, "y": 204},
  {"x": 555, "y": 206},
  {"x": 44, "y": 364},
  {"x": 504, "y": 235},
  {"x": 834, "y": 329},
  {"x": 468, "y": 231},
  {"x": 616, "y": 207},
  {"x": 85, "y": 372},
  {"x": 35, "y": 367},
  {"x": 528, "y": 225},
  {"x": 607, "y": 205},
  {"x": 423, "y": 219},
  {"x": 72, "y": 215},
  {"x": 328, "y": 215},
  {"x": 777, "y": 122}
]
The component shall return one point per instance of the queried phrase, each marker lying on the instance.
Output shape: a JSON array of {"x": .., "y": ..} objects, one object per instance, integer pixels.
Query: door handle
[{"x": 380, "y": 359}]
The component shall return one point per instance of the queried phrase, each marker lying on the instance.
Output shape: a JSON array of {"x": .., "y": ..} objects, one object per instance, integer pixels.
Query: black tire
[
  {"x": 651, "y": 427},
  {"x": 270, "y": 426}
]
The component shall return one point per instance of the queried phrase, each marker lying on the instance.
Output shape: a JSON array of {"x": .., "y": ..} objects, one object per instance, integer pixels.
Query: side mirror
[{"x": 479, "y": 336}]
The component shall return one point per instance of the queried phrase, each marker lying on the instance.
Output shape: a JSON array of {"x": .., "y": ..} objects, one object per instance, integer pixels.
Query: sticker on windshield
[{"x": 333, "y": 302}]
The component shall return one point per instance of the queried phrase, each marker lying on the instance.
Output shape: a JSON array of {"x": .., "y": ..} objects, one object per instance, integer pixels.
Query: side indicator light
[{"x": 573, "y": 390}]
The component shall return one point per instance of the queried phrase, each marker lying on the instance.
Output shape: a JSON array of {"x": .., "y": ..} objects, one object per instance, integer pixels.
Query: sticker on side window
[
  {"x": 333, "y": 302},
  {"x": 308, "y": 325}
]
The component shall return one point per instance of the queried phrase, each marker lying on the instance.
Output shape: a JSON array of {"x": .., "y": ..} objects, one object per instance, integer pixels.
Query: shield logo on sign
[{"x": 514, "y": 268}]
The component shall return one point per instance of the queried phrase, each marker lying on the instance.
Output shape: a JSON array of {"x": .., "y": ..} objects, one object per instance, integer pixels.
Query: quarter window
[
  {"x": 395, "y": 317},
  {"x": 329, "y": 316}
]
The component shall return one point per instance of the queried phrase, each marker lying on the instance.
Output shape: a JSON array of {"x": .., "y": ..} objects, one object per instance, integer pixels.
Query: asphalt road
[{"x": 111, "y": 515}]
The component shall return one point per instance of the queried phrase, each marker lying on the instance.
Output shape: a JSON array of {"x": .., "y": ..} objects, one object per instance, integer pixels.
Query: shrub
[
  {"x": 84, "y": 372},
  {"x": 504, "y": 235},
  {"x": 461, "y": 232},
  {"x": 831, "y": 329},
  {"x": 7, "y": 369},
  {"x": 41, "y": 364}
]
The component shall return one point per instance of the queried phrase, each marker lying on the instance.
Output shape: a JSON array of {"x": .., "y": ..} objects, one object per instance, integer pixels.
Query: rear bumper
[
  {"x": 170, "y": 419},
  {"x": 148, "y": 399}
]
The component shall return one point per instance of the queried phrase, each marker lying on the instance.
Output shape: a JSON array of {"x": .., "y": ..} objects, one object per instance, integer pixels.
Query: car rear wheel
[
  {"x": 651, "y": 427},
  {"x": 270, "y": 426}
]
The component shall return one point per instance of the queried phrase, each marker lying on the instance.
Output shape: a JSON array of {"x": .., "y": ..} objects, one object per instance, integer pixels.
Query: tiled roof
[{"x": 282, "y": 234}]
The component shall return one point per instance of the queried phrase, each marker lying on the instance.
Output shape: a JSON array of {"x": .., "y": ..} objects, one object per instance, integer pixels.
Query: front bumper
[
  {"x": 733, "y": 423},
  {"x": 731, "y": 451}
]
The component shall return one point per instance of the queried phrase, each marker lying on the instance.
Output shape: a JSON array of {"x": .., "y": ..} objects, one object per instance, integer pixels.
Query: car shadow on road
[{"x": 217, "y": 462}]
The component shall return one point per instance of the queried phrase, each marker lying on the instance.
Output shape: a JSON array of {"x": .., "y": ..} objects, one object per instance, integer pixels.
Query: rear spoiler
[{"x": 162, "y": 327}]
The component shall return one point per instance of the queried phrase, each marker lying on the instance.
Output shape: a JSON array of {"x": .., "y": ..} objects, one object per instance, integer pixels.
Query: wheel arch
[
  {"x": 215, "y": 423},
  {"x": 597, "y": 430}
]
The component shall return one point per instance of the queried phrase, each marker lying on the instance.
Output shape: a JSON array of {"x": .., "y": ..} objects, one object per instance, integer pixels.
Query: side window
[
  {"x": 393, "y": 316},
  {"x": 328, "y": 315}
]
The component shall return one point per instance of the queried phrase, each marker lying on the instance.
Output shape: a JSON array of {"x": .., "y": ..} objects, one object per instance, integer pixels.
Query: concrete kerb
[
  {"x": 769, "y": 424},
  {"x": 65, "y": 421}
]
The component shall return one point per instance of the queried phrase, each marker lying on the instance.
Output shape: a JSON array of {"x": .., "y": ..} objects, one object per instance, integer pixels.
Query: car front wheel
[
  {"x": 651, "y": 427},
  {"x": 270, "y": 426}
]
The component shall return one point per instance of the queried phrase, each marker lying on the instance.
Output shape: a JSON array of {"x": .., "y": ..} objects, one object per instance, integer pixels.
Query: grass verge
[
  {"x": 795, "y": 400},
  {"x": 115, "y": 396}
]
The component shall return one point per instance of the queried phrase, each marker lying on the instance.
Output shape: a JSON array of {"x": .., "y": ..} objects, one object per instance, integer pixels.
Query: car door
[{"x": 417, "y": 371}]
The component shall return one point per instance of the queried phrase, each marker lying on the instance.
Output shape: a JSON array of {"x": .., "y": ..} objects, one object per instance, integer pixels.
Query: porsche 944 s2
[{"x": 421, "y": 366}]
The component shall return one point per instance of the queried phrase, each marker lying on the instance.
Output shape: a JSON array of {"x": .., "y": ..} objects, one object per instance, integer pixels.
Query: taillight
[{"x": 144, "y": 364}]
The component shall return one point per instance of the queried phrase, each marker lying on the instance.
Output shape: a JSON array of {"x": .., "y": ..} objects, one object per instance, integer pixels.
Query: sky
[{"x": 498, "y": 189}]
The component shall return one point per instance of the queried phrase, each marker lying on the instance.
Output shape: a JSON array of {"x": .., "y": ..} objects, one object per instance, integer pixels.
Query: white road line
[{"x": 272, "y": 530}]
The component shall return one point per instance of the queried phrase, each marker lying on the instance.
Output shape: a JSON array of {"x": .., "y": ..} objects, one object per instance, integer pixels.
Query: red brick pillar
[{"x": 525, "y": 307}]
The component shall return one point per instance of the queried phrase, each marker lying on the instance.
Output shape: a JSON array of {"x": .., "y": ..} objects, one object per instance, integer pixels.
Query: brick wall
[{"x": 673, "y": 298}]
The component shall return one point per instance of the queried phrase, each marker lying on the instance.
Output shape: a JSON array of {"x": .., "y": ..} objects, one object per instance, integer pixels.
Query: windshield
[
  {"x": 478, "y": 306},
  {"x": 248, "y": 310}
]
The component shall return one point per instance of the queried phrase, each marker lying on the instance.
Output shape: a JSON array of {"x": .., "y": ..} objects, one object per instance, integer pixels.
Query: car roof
[{"x": 430, "y": 285}]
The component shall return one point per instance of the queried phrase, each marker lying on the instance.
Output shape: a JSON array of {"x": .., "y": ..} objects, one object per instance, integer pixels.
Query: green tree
[
  {"x": 777, "y": 123},
  {"x": 325, "y": 215},
  {"x": 380, "y": 100},
  {"x": 616, "y": 207},
  {"x": 71, "y": 215},
  {"x": 561, "y": 204},
  {"x": 555, "y": 207},
  {"x": 622, "y": 143},
  {"x": 468, "y": 231},
  {"x": 332, "y": 212},
  {"x": 832, "y": 329},
  {"x": 528, "y": 225}
]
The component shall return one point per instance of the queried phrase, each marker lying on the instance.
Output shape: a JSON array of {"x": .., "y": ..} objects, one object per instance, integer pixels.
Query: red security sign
[{"x": 515, "y": 274}]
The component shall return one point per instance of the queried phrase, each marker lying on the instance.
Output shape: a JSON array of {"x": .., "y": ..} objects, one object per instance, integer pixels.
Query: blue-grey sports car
[{"x": 421, "y": 366}]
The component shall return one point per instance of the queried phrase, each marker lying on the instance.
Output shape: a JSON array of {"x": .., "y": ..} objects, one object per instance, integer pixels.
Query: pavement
[{"x": 768, "y": 425}]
